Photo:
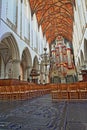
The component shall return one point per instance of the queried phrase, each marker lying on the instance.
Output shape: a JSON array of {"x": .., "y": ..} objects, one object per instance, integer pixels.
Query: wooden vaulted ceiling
[{"x": 55, "y": 16}]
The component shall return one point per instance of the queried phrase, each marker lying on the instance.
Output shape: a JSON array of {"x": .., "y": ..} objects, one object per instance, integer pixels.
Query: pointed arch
[
  {"x": 27, "y": 56},
  {"x": 10, "y": 42},
  {"x": 9, "y": 52},
  {"x": 35, "y": 63},
  {"x": 26, "y": 64}
]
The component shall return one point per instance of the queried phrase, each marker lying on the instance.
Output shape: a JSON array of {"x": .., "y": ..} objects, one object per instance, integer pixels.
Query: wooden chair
[
  {"x": 16, "y": 92},
  {"x": 9, "y": 92},
  {"x": 56, "y": 95},
  {"x": 64, "y": 91},
  {"x": 3, "y": 94},
  {"x": 27, "y": 89},
  {"x": 73, "y": 92},
  {"x": 22, "y": 92},
  {"x": 82, "y": 90}
]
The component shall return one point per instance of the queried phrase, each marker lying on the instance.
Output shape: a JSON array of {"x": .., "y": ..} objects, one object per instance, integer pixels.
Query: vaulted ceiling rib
[{"x": 55, "y": 16}]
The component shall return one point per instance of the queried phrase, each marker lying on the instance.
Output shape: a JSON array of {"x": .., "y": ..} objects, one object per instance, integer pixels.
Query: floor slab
[{"x": 36, "y": 114}]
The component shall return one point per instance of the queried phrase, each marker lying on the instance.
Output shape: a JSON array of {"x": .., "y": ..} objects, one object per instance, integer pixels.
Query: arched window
[{"x": 12, "y": 11}]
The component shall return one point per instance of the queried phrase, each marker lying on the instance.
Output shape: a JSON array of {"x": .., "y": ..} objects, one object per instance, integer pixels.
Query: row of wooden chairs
[
  {"x": 22, "y": 92},
  {"x": 76, "y": 86},
  {"x": 9, "y": 82},
  {"x": 69, "y": 91}
]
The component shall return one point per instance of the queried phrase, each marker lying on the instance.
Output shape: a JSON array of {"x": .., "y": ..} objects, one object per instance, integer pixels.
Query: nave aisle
[{"x": 43, "y": 114}]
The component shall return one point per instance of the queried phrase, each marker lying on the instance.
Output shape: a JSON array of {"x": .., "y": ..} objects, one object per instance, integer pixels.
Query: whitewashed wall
[
  {"x": 25, "y": 26},
  {"x": 79, "y": 32}
]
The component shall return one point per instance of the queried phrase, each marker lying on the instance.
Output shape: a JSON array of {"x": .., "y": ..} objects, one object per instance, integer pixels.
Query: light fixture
[{"x": 45, "y": 62}]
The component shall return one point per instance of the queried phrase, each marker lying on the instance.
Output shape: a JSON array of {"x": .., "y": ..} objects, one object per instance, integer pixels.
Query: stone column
[
  {"x": 28, "y": 71},
  {"x": 16, "y": 69},
  {"x": 25, "y": 75}
]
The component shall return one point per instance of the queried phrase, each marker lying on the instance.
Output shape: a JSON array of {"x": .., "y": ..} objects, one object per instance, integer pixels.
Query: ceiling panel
[{"x": 55, "y": 16}]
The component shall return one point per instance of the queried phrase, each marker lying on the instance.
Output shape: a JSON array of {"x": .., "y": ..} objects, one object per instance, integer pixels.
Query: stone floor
[
  {"x": 36, "y": 114},
  {"x": 43, "y": 114},
  {"x": 76, "y": 118}
]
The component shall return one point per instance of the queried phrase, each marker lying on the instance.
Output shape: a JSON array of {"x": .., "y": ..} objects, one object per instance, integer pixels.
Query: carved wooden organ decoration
[{"x": 61, "y": 56}]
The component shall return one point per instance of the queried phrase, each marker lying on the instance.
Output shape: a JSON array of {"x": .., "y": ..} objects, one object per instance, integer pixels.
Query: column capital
[{"x": 15, "y": 61}]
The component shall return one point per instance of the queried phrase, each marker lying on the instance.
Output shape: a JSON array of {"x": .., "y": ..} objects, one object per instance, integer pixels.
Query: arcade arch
[
  {"x": 35, "y": 63},
  {"x": 35, "y": 70},
  {"x": 26, "y": 64},
  {"x": 9, "y": 53}
]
